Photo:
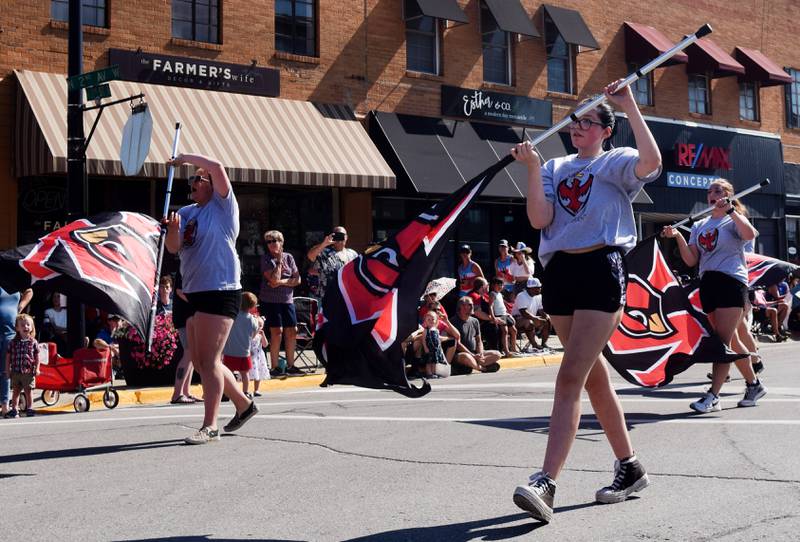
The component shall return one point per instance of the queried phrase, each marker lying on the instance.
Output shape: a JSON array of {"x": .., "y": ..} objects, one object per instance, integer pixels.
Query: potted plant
[{"x": 149, "y": 368}]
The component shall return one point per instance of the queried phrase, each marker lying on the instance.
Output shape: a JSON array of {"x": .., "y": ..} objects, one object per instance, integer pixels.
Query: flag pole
[
  {"x": 738, "y": 195},
  {"x": 162, "y": 239},
  {"x": 629, "y": 80}
]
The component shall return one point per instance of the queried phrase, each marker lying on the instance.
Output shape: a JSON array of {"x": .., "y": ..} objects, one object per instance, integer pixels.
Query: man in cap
[
  {"x": 529, "y": 314},
  {"x": 328, "y": 257}
]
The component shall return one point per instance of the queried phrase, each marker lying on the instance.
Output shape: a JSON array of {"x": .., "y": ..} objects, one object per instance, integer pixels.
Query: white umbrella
[{"x": 440, "y": 286}]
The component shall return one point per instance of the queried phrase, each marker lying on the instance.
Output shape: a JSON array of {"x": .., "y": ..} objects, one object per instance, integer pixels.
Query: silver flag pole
[{"x": 738, "y": 195}]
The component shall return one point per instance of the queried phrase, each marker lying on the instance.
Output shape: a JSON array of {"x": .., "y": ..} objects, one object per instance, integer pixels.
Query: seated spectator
[
  {"x": 448, "y": 334},
  {"x": 530, "y": 315},
  {"x": 770, "y": 312},
  {"x": 522, "y": 267},
  {"x": 164, "y": 303},
  {"x": 505, "y": 322},
  {"x": 435, "y": 364},
  {"x": 55, "y": 323},
  {"x": 780, "y": 294},
  {"x": 470, "y": 355},
  {"x": 480, "y": 301},
  {"x": 106, "y": 334}
]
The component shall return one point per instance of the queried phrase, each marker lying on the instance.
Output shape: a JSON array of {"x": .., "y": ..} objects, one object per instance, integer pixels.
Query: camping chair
[{"x": 306, "y": 310}]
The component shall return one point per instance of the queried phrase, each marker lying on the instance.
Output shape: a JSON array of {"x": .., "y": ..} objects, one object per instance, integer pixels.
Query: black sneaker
[
  {"x": 276, "y": 373},
  {"x": 629, "y": 477},
  {"x": 536, "y": 498},
  {"x": 292, "y": 370},
  {"x": 239, "y": 420}
]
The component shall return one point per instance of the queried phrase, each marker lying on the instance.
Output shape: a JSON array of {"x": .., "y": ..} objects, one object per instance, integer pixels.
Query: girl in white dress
[{"x": 260, "y": 370}]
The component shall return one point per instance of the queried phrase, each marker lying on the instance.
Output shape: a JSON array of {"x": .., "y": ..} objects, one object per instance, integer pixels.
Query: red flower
[{"x": 165, "y": 342}]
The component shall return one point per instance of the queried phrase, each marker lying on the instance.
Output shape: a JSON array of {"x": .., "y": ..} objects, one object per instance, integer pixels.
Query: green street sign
[
  {"x": 92, "y": 79},
  {"x": 98, "y": 92}
]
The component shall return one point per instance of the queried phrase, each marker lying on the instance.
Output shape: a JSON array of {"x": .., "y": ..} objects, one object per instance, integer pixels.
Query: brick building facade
[{"x": 360, "y": 60}]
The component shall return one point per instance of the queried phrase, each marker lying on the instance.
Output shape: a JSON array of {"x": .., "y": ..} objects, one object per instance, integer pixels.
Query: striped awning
[{"x": 257, "y": 139}]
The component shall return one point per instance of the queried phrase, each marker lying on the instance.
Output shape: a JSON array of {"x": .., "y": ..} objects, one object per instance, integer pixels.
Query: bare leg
[
  {"x": 245, "y": 381},
  {"x": 275, "y": 334},
  {"x": 207, "y": 336},
  {"x": 724, "y": 321},
  {"x": 581, "y": 350},
  {"x": 289, "y": 342},
  {"x": 608, "y": 409}
]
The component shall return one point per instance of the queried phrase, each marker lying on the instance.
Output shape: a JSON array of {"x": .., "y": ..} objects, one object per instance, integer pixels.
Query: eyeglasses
[
  {"x": 271, "y": 241},
  {"x": 194, "y": 178},
  {"x": 585, "y": 123}
]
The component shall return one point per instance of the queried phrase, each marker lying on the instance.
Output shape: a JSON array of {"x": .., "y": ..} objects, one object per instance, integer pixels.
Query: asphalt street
[{"x": 352, "y": 464}]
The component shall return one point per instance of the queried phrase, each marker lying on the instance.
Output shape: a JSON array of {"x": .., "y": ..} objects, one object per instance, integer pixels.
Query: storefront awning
[
  {"x": 758, "y": 67},
  {"x": 448, "y": 10},
  {"x": 258, "y": 139},
  {"x": 644, "y": 43},
  {"x": 571, "y": 26},
  {"x": 512, "y": 17},
  {"x": 705, "y": 56},
  {"x": 438, "y": 156}
]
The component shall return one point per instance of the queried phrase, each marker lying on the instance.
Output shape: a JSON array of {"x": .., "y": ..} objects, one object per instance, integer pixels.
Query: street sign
[
  {"x": 136, "y": 139},
  {"x": 98, "y": 92},
  {"x": 92, "y": 79}
]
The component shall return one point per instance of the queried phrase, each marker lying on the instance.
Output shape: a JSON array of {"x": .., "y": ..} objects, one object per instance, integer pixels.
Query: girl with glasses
[{"x": 582, "y": 204}]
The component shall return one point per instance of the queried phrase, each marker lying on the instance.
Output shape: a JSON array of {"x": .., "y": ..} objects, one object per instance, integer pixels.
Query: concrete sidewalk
[{"x": 163, "y": 395}]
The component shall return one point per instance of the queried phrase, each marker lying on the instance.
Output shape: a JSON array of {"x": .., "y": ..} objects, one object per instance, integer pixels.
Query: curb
[{"x": 162, "y": 396}]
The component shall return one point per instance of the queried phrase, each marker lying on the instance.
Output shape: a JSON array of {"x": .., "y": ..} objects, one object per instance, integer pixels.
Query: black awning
[
  {"x": 571, "y": 26},
  {"x": 512, "y": 17},
  {"x": 443, "y": 9},
  {"x": 439, "y": 156}
]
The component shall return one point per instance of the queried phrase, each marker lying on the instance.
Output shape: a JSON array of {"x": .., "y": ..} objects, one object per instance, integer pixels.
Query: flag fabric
[
  {"x": 372, "y": 307},
  {"x": 107, "y": 261},
  {"x": 764, "y": 271},
  {"x": 663, "y": 329}
]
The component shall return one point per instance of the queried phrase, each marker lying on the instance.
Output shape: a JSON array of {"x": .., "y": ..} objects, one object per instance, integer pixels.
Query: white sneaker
[
  {"x": 707, "y": 403},
  {"x": 203, "y": 436}
]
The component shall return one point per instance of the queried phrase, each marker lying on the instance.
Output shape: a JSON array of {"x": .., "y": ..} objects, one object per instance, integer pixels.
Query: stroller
[{"x": 88, "y": 370}]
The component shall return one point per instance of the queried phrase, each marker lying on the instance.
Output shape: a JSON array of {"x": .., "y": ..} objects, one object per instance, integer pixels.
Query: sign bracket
[{"x": 102, "y": 107}]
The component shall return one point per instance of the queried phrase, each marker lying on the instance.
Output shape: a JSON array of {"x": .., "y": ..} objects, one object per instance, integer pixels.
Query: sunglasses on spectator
[
  {"x": 270, "y": 241},
  {"x": 194, "y": 178}
]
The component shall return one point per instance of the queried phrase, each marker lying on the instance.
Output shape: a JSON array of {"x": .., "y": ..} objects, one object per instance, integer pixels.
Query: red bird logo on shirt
[
  {"x": 708, "y": 239},
  {"x": 572, "y": 195}
]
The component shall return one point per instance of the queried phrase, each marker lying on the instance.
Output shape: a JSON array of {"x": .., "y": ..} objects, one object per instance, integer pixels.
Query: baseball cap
[
  {"x": 533, "y": 282},
  {"x": 503, "y": 243},
  {"x": 464, "y": 248}
]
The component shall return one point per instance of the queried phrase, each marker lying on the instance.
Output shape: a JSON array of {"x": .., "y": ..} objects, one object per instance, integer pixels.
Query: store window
[
  {"x": 748, "y": 100},
  {"x": 296, "y": 27},
  {"x": 699, "y": 94},
  {"x": 793, "y": 99},
  {"x": 422, "y": 40},
  {"x": 642, "y": 88},
  {"x": 496, "y": 49},
  {"x": 560, "y": 59},
  {"x": 196, "y": 20},
  {"x": 93, "y": 12}
]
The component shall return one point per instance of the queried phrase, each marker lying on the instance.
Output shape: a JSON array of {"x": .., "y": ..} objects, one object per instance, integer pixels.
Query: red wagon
[{"x": 88, "y": 370}]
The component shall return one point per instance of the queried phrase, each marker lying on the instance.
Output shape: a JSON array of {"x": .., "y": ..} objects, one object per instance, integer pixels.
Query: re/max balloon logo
[{"x": 699, "y": 155}]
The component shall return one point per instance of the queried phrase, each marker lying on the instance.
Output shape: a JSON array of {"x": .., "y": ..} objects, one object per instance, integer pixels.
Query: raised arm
[
  {"x": 317, "y": 249},
  {"x": 689, "y": 254},
  {"x": 649, "y": 155},
  {"x": 219, "y": 177}
]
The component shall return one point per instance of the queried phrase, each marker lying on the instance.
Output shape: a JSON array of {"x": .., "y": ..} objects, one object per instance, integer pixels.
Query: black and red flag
[
  {"x": 107, "y": 261},
  {"x": 764, "y": 271},
  {"x": 372, "y": 307},
  {"x": 662, "y": 332}
]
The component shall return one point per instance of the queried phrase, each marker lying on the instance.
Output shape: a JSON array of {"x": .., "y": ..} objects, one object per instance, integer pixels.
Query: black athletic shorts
[
  {"x": 720, "y": 290},
  {"x": 593, "y": 280},
  {"x": 220, "y": 302}
]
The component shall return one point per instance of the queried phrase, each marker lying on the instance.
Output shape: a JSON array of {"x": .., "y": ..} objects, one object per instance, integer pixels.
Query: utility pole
[{"x": 77, "y": 196}]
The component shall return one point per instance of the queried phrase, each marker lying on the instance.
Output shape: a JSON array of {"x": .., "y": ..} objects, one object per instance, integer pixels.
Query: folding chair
[{"x": 306, "y": 310}]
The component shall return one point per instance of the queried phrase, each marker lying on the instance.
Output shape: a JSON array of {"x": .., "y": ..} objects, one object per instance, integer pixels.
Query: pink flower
[{"x": 165, "y": 342}]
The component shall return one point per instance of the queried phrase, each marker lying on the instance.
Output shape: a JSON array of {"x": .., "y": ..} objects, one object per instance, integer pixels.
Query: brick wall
[{"x": 362, "y": 57}]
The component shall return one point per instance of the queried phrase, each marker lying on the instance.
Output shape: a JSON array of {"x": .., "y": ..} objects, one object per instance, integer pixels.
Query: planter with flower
[{"x": 156, "y": 367}]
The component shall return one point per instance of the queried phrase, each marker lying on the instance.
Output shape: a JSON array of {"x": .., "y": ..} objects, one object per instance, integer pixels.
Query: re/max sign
[{"x": 701, "y": 156}]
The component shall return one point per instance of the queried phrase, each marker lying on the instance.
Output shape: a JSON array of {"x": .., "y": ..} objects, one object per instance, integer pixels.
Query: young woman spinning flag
[{"x": 582, "y": 204}]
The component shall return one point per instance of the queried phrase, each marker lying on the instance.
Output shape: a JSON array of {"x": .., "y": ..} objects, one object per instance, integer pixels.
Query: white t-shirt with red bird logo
[
  {"x": 720, "y": 247},
  {"x": 591, "y": 200}
]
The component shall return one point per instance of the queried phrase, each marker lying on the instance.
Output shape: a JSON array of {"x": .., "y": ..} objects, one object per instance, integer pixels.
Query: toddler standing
[
  {"x": 432, "y": 345},
  {"x": 22, "y": 363}
]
